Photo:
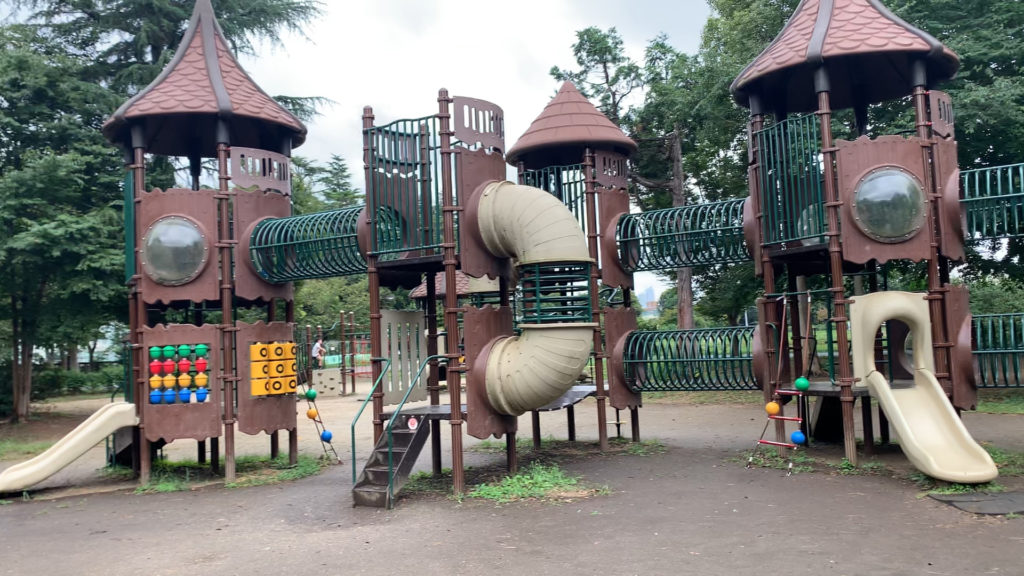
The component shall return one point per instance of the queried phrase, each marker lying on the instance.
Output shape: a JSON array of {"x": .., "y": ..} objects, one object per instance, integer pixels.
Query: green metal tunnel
[{"x": 319, "y": 245}]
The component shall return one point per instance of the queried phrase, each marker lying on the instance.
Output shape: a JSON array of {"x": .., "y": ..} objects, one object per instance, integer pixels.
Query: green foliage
[
  {"x": 1001, "y": 401},
  {"x": 1008, "y": 463},
  {"x": 537, "y": 482},
  {"x": 250, "y": 471},
  {"x": 605, "y": 73},
  {"x": 11, "y": 449}
]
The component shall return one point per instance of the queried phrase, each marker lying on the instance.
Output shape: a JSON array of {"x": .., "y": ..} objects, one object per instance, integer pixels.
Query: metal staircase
[{"x": 390, "y": 464}]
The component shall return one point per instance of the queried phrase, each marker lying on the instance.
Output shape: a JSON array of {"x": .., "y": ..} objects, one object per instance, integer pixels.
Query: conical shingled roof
[
  {"x": 568, "y": 123},
  {"x": 868, "y": 51},
  {"x": 179, "y": 111}
]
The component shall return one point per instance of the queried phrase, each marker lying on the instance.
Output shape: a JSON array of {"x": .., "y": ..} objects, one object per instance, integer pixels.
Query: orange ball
[
  {"x": 312, "y": 414},
  {"x": 772, "y": 408}
]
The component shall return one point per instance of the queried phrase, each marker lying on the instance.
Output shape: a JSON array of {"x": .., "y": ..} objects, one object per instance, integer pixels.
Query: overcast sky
[{"x": 394, "y": 55}]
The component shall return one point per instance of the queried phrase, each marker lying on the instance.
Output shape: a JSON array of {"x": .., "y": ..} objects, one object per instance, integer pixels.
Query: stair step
[
  {"x": 377, "y": 475},
  {"x": 370, "y": 495}
]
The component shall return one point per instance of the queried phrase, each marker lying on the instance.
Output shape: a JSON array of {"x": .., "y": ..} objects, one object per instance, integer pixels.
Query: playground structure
[{"x": 820, "y": 210}]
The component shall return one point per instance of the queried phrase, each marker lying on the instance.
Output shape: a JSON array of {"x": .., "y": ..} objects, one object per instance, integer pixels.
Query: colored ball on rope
[
  {"x": 311, "y": 394},
  {"x": 798, "y": 438},
  {"x": 326, "y": 436},
  {"x": 772, "y": 408},
  {"x": 312, "y": 413},
  {"x": 802, "y": 384}
]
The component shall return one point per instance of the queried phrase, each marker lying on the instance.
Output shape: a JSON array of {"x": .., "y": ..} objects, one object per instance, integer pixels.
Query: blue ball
[
  {"x": 201, "y": 394},
  {"x": 184, "y": 395},
  {"x": 155, "y": 396},
  {"x": 170, "y": 396},
  {"x": 326, "y": 436},
  {"x": 798, "y": 438}
]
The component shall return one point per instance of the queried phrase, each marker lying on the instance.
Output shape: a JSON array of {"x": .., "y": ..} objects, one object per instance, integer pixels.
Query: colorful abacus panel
[{"x": 178, "y": 373}]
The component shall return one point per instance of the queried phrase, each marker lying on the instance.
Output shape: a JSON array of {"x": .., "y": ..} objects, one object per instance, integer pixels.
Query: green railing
[
  {"x": 567, "y": 183},
  {"x": 317, "y": 245},
  {"x": 129, "y": 226},
  {"x": 389, "y": 426},
  {"x": 404, "y": 187},
  {"x": 554, "y": 292},
  {"x": 359, "y": 413},
  {"x": 999, "y": 349},
  {"x": 701, "y": 234},
  {"x": 688, "y": 360},
  {"x": 993, "y": 201},
  {"x": 792, "y": 198}
]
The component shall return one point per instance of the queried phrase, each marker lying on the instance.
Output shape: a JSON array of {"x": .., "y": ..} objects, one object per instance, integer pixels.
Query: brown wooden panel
[
  {"x": 951, "y": 215},
  {"x": 261, "y": 413},
  {"x": 610, "y": 170},
  {"x": 482, "y": 327},
  {"x": 942, "y": 117},
  {"x": 478, "y": 122},
  {"x": 253, "y": 169},
  {"x": 961, "y": 358},
  {"x": 250, "y": 209},
  {"x": 474, "y": 257},
  {"x": 197, "y": 421},
  {"x": 200, "y": 207},
  {"x": 612, "y": 204},
  {"x": 855, "y": 160},
  {"x": 618, "y": 323}
]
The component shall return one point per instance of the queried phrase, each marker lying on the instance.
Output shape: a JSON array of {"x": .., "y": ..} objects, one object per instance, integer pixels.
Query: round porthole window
[
  {"x": 174, "y": 251},
  {"x": 889, "y": 205}
]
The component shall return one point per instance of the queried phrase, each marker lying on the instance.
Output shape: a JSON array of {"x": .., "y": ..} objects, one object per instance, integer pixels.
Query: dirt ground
[{"x": 693, "y": 509}]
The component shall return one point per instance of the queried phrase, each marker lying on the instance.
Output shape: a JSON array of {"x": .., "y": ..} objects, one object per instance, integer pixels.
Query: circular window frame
[
  {"x": 147, "y": 266},
  {"x": 921, "y": 220}
]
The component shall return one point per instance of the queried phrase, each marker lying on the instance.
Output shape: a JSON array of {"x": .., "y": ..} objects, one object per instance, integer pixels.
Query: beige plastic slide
[
  {"x": 930, "y": 433},
  {"x": 92, "y": 431},
  {"x": 530, "y": 225}
]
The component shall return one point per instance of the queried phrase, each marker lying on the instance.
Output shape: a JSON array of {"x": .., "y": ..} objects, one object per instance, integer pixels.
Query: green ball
[
  {"x": 184, "y": 350},
  {"x": 311, "y": 394},
  {"x": 169, "y": 351},
  {"x": 802, "y": 384},
  {"x": 202, "y": 349},
  {"x": 154, "y": 353}
]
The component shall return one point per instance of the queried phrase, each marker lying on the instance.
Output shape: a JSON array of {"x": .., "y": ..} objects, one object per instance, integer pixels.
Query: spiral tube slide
[{"x": 529, "y": 371}]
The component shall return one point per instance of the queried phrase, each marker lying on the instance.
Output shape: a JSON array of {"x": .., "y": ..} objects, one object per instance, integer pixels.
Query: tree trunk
[{"x": 684, "y": 276}]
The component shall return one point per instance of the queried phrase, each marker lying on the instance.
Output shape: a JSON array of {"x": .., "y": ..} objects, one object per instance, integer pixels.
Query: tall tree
[{"x": 605, "y": 72}]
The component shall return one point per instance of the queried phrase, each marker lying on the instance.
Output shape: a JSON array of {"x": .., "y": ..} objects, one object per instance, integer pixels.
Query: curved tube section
[
  {"x": 529, "y": 371},
  {"x": 317, "y": 245}
]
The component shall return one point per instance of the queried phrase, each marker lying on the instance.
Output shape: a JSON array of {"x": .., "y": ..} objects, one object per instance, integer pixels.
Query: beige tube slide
[
  {"x": 531, "y": 226},
  {"x": 92, "y": 431},
  {"x": 930, "y": 433}
]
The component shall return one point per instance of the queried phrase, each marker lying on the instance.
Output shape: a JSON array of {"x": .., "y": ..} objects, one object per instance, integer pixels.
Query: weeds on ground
[
  {"x": 537, "y": 482},
  {"x": 118, "y": 472},
  {"x": 642, "y": 448},
  {"x": 6, "y": 502},
  {"x": 769, "y": 458},
  {"x": 550, "y": 448},
  {"x": 11, "y": 449},
  {"x": 1010, "y": 401},
  {"x": 249, "y": 471},
  {"x": 847, "y": 468},
  {"x": 929, "y": 485},
  {"x": 1008, "y": 463}
]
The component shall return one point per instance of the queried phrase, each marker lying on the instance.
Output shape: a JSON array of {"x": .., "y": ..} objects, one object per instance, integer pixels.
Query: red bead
[
  {"x": 168, "y": 366},
  {"x": 201, "y": 364},
  {"x": 156, "y": 367},
  {"x": 183, "y": 365}
]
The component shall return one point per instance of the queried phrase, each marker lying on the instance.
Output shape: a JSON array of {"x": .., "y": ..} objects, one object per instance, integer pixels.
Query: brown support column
[
  {"x": 376, "y": 362},
  {"x": 595, "y": 308},
  {"x": 433, "y": 384},
  {"x": 839, "y": 318},
  {"x": 137, "y": 320},
  {"x": 451, "y": 303},
  {"x": 225, "y": 243},
  {"x": 293, "y": 434},
  {"x": 352, "y": 349},
  {"x": 535, "y": 420},
  {"x": 511, "y": 456}
]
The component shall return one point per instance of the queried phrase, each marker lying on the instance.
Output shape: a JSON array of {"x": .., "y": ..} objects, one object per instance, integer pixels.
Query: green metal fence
[
  {"x": 792, "y": 197},
  {"x": 317, "y": 245},
  {"x": 554, "y": 293},
  {"x": 710, "y": 233},
  {"x": 690, "y": 360},
  {"x": 999, "y": 349},
  {"x": 993, "y": 201},
  {"x": 567, "y": 183},
  {"x": 404, "y": 188}
]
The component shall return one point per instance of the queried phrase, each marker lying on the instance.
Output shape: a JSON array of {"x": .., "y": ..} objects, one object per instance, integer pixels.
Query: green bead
[
  {"x": 311, "y": 394},
  {"x": 154, "y": 353},
  {"x": 202, "y": 349},
  {"x": 169, "y": 351},
  {"x": 184, "y": 350}
]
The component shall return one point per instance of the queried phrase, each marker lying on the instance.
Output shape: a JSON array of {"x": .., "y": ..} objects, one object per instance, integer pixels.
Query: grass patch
[
  {"x": 930, "y": 485},
  {"x": 11, "y": 449},
  {"x": 427, "y": 483},
  {"x": 5, "y": 502},
  {"x": 118, "y": 472},
  {"x": 1008, "y": 463},
  {"x": 536, "y": 482},
  {"x": 249, "y": 471},
  {"x": 847, "y": 468},
  {"x": 642, "y": 448},
  {"x": 707, "y": 397},
  {"x": 769, "y": 458},
  {"x": 1004, "y": 401}
]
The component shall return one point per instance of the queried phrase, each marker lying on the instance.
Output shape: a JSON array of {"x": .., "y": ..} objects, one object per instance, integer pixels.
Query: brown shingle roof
[
  {"x": 203, "y": 84},
  {"x": 440, "y": 286},
  {"x": 569, "y": 121},
  {"x": 868, "y": 51}
]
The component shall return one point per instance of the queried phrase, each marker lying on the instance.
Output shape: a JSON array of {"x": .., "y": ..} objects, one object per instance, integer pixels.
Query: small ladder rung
[
  {"x": 782, "y": 444},
  {"x": 782, "y": 392},
  {"x": 787, "y": 418}
]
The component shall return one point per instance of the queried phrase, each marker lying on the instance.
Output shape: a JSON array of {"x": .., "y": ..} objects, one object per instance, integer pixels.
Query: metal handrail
[
  {"x": 391, "y": 423},
  {"x": 369, "y": 396}
]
